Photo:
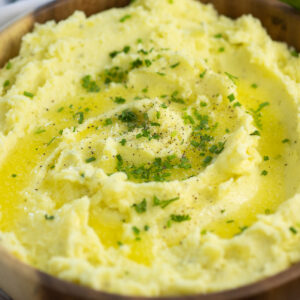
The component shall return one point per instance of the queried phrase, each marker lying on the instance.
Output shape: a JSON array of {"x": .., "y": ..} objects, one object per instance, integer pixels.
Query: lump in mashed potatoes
[{"x": 151, "y": 150}]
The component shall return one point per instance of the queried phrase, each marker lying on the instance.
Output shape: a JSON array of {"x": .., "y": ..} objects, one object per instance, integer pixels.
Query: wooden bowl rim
[{"x": 72, "y": 289}]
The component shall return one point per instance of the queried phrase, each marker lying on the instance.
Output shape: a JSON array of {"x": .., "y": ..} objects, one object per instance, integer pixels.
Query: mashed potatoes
[{"x": 151, "y": 150}]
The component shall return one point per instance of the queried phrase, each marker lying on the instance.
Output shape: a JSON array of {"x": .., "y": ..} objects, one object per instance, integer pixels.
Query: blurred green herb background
[{"x": 294, "y": 3}]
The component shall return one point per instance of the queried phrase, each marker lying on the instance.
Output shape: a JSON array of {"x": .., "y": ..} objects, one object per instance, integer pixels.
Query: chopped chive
[{"x": 293, "y": 230}]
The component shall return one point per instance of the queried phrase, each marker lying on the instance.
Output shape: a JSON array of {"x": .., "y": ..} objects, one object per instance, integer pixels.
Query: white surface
[{"x": 12, "y": 11}]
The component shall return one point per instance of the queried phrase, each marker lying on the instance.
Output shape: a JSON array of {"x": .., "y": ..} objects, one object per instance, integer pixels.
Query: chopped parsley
[
  {"x": 8, "y": 65},
  {"x": 175, "y": 65},
  {"x": 89, "y": 85},
  {"x": 146, "y": 227},
  {"x": 293, "y": 230},
  {"x": 221, "y": 49},
  {"x": 207, "y": 161},
  {"x": 231, "y": 97},
  {"x": 218, "y": 35},
  {"x": 79, "y": 116},
  {"x": 256, "y": 132},
  {"x": 135, "y": 230},
  {"x": 60, "y": 109},
  {"x": 124, "y": 18},
  {"x": 140, "y": 207},
  {"x": 127, "y": 116},
  {"x": 6, "y": 83},
  {"x": 256, "y": 114},
  {"x": 202, "y": 74},
  {"x": 125, "y": 50},
  {"x": 264, "y": 173},
  {"x": 108, "y": 122},
  {"x": 90, "y": 159},
  {"x": 123, "y": 142},
  {"x": 266, "y": 158},
  {"x": 294, "y": 53},
  {"x": 231, "y": 77},
  {"x": 14, "y": 175},
  {"x": 40, "y": 130},
  {"x": 254, "y": 85},
  {"x": 180, "y": 218},
  {"x": 49, "y": 218},
  {"x": 285, "y": 141},
  {"x": 163, "y": 203},
  {"x": 28, "y": 94},
  {"x": 119, "y": 100}
]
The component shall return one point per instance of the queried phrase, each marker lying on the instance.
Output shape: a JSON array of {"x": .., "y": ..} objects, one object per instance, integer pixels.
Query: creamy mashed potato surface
[{"x": 152, "y": 150}]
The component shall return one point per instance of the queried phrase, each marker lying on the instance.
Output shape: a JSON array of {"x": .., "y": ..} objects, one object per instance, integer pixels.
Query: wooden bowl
[{"x": 23, "y": 282}]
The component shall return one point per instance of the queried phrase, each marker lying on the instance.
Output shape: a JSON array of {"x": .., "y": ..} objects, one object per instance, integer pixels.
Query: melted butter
[{"x": 271, "y": 192}]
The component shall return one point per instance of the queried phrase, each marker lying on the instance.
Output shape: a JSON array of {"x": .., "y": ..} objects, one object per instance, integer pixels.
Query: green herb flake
[
  {"x": 51, "y": 141},
  {"x": 218, "y": 35},
  {"x": 163, "y": 203},
  {"x": 135, "y": 230},
  {"x": 236, "y": 104},
  {"x": 90, "y": 159},
  {"x": 294, "y": 53},
  {"x": 8, "y": 65},
  {"x": 119, "y": 100},
  {"x": 264, "y": 173},
  {"x": 231, "y": 77},
  {"x": 89, "y": 85},
  {"x": 254, "y": 85},
  {"x": 293, "y": 230},
  {"x": 203, "y": 104},
  {"x": 231, "y": 97},
  {"x": 40, "y": 130},
  {"x": 14, "y": 175},
  {"x": 124, "y": 18},
  {"x": 180, "y": 218},
  {"x": 206, "y": 161},
  {"x": 49, "y": 217},
  {"x": 202, "y": 74},
  {"x": 79, "y": 116},
  {"x": 60, "y": 109},
  {"x": 146, "y": 228},
  {"x": 175, "y": 65},
  {"x": 140, "y": 207},
  {"x": 6, "y": 83},
  {"x": 148, "y": 63},
  {"x": 256, "y": 132},
  {"x": 123, "y": 142},
  {"x": 28, "y": 94},
  {"x": 285, "y": 141},
  {"x": 108, "y": 122},
  {"x": 229, "y": 221},
  {"x": 266, "y": 158},
  {"x": 221, "y": 49}
]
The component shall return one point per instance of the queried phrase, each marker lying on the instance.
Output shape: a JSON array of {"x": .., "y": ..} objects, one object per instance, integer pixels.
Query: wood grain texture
[{"x": 23, "y": 282}]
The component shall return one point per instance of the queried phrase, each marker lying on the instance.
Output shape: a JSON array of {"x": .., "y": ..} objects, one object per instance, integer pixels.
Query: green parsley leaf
[
  {"x": 140, "y": 207},
  {"x": 124, "y": 18},
  {"x": 119, "y": 100},
  {"x": 28, "y": 94},
  {"x": 90, "y": 159},
  {"x": 180, "y": 218}
]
